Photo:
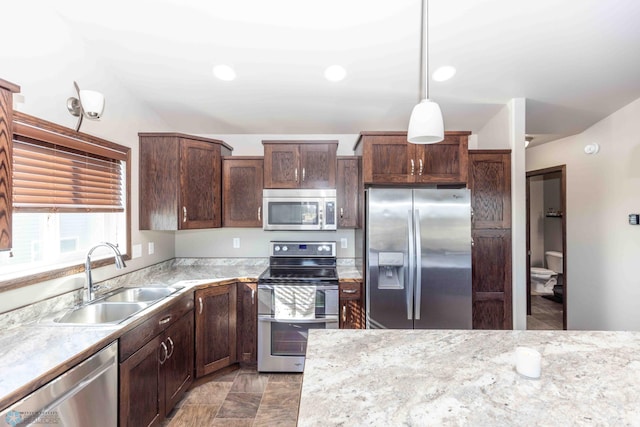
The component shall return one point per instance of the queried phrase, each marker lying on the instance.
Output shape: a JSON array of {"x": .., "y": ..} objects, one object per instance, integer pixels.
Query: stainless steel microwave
[{"x": 299, "y": 209}]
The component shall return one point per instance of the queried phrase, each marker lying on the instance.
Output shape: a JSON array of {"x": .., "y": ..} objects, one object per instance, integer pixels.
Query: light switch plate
[
  {"x": 343, "y": 242},
  {"x": 236, "y": 243},
  {"x": 152, "y": 248},
  {"x": 137, "y": 251}
]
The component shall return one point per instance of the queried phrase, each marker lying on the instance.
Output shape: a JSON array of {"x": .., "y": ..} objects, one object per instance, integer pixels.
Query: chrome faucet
[{"x": 89, "y": 293}]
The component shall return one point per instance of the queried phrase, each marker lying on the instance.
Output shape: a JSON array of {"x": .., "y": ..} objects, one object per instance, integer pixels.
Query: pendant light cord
[{"x": 424, "y": 57}]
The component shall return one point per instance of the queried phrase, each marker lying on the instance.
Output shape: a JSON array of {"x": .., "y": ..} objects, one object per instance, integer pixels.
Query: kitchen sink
[
  {"x": 139, "y": 294},
  {"x": 102, "y": 313}
]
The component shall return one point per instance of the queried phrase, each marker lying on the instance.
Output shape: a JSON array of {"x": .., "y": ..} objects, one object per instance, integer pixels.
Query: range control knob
[
  {"x": 284, "y": 248},
  {"x": 277, "y": 248},
  {"x": 320, "y": 248}
]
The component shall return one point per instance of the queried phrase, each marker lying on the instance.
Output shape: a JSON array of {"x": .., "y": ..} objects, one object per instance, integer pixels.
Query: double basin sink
[{"x": 116, "y": 306}]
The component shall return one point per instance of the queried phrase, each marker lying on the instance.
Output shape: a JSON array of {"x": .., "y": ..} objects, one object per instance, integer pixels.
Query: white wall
[
  {"x": 603, "y": 271},
  {"x": 44, "y": 91},
  {"x": 495, "y": 134}
]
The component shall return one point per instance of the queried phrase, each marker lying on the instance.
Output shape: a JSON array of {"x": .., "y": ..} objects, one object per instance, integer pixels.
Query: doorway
[{"x": 547, "y": 249}]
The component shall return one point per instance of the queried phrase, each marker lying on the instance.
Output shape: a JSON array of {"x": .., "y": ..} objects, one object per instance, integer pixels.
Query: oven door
[{"x": 282, "y": 342}]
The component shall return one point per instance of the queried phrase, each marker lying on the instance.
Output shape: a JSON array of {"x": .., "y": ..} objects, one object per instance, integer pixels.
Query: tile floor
[
  {"x": 243, "y": 398},
  {"x": 545, "y": 314}
]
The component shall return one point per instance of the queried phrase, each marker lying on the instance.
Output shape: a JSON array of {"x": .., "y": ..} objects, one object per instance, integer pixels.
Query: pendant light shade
[{"x": 425, "y": 125}]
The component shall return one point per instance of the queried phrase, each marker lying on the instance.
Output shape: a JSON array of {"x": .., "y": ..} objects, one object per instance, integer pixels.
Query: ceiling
[{"x": 575, "y": 61}]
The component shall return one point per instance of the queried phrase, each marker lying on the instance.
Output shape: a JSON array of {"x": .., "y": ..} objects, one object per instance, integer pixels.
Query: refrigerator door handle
[
  {"x": 418, "y": 239},
  {"x": 411, "y": 267}
]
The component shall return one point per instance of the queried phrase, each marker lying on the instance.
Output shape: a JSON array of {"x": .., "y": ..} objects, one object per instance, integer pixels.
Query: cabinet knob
[
  {"x": 344, "y": 313},
  {"x": 253, "y": 296},
  {"x": 341, "y": 213},
  {"x": 184, "y": 214},
  {"x": 295, "y": 174},
  {"x": 413, "y": 166},
  {"x": 303, "y": 174},
  {"x": 259, "y": 216},
  {"x": 420, "y": 167},
  {"x": 165, "y": 320},
  {"x": 200, "y": 301}
]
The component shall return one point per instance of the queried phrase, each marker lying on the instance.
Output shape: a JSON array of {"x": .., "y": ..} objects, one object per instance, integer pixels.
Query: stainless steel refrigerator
[{"x": 418, "y": 257}]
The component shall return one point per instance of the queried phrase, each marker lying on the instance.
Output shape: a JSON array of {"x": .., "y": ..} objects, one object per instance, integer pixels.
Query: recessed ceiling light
[
  {"x": 444, "y": 73},
  {"x": 224, "y": 72},
  {"x": 335, "y": 73}
]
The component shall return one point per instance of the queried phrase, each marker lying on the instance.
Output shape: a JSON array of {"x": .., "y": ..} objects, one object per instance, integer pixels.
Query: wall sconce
[
  {"x": 592, "y": 148},
  {"x": 89, "y": 104}
]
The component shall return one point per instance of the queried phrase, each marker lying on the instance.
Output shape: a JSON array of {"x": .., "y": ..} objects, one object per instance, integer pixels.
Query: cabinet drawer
[
  {"x": 350, "y": 290},
  {"x": 131, "y": 341}
]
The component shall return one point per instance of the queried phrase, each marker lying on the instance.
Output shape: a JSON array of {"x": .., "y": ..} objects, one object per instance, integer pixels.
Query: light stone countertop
[
  {"x": 468, "y": 378},
  {"x": 31, "y": 353}
]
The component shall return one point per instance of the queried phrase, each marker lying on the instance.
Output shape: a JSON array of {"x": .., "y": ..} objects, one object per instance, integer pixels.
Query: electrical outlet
[
  {"x": 137, "y": 251},
  {"x": 236, "y": 243},
  {"x": 343, "y": 242},
  {"x": 152, "y": 248}
]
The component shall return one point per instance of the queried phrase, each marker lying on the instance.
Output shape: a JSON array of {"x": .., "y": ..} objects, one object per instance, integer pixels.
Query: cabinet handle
[
  {"x": 472, "y": 242},
  {"x": 341, "y": 212},
  {"x": 413, "y": 166},
  {"x": 295, "y": 174},
  {"x": 303, "y": 174},
  {"x": 253, "y": 296},
  {"x": 165, "y": 351},
  {"x": 172, "y": 347},
  {"x": 349, "y": 291},
  {"x": 184, "y": 214},
  {"x": 165, "y": 320},
  {"x": 200, "y": 300},
  {"x": 420, "y": 167},
  {"x": 344, "y": 313},
  {"x": 259, "y": 209}
]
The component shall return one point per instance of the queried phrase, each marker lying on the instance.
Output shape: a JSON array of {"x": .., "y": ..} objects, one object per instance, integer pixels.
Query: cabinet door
[
  {"x": 281, "y": 166},
  {"x": 347, "y": 189},
  {"x": 200, "y": 183},
  {"x": 388, "y": 159},
  {"x": 141, "y": 388},
  {"x": 215, "y": 328},
  {"x": 6, "y": 135},
  {"x": 242, "y": 192},
  {"x": 247, "y": 323},
  {"x": 178, "y": 368},
  {"x": 318, "y": 165},
  {"x": 490, "y": 184},
  {"x": 351, "y": 303},
  {"x": 446, "y": 161},
  {"x": 491, "y": 279}
]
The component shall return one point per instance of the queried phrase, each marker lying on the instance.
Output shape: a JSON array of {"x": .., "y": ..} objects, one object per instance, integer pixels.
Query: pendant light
[{"x": 425, "y": 125}]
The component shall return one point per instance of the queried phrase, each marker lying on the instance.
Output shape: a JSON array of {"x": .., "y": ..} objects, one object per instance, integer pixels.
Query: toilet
[{"x": 544, "y": 279}]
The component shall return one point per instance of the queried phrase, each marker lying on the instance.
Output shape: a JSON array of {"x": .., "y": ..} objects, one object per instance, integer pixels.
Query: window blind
[{"x": 56, "y": 173}]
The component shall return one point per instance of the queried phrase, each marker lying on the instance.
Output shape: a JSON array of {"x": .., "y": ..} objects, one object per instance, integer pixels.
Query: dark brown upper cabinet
[
  {"x": 242, "y": 179},
  {"x": 6, "y": 133},
  {"x": 180, "y": 181},
  {"x": 348, "y": 187},
  {"x": 490, "y": 185},
  {"x": 300, "y": 164},
  {"x": 387, "y": 158}
]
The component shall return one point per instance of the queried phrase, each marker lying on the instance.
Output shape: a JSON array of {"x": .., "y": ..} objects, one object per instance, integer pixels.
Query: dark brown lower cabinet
[
  {"x": 154, "y": 376},
  {"x": 491, "y": 259},
  {"x": 215, "y": 328},
  {"x": 247, "y": 323},
  {"x": 351, "y": 304}
]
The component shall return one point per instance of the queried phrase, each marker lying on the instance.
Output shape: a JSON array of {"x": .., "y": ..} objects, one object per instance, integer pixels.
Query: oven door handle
[
  {"x": 318, "y": 287},
  {"x": 332, "y": 319}
]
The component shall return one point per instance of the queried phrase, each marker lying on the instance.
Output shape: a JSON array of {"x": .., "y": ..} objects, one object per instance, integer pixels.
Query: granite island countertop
[{"x": 444, "y": 377}]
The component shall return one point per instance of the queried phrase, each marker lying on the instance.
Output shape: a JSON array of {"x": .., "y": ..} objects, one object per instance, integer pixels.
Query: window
[{"x": 70, "y": 191}]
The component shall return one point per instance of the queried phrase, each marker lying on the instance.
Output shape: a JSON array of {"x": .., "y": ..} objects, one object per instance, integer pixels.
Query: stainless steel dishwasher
[{"x": 86, "y": 395}]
